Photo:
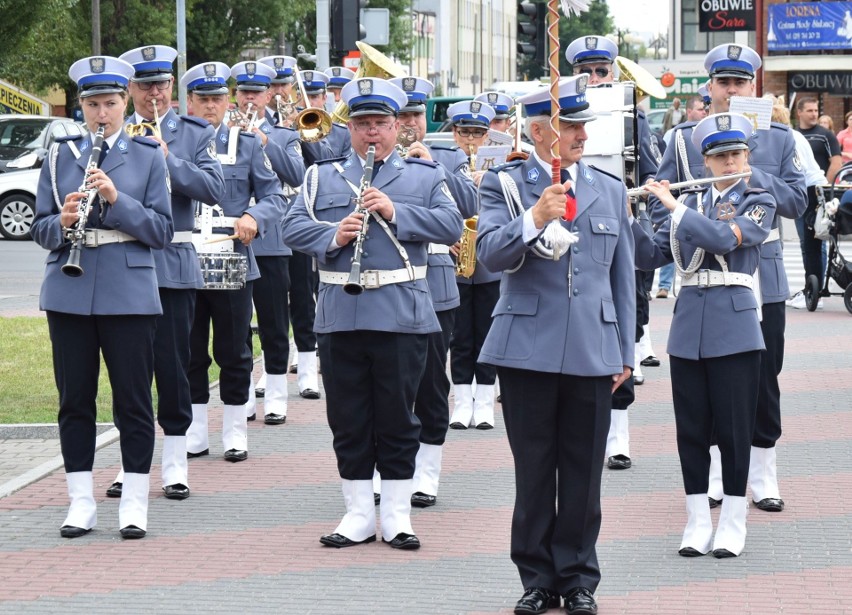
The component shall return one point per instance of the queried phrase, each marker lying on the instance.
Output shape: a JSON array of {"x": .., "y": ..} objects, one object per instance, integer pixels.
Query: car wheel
[{"x": 17, "y": 212}]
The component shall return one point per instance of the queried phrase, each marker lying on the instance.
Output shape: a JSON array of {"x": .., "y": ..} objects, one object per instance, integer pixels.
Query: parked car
[
  {"x": 17, "y": 203},
  {"x": 655, "y": 120},
  {"x": 436, "y": 110},
  {"x": 25, "y": 139}
]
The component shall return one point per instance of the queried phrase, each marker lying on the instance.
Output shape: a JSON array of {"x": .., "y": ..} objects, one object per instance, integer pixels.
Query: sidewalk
[{"x": 247, "y": 539}]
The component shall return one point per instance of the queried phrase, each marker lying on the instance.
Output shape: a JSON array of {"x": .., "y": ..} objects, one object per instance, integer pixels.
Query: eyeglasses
[
  {"x": 600, "y": 71},
  {"x": 364, "y": 126},
  {"x": 476, "y": 134},
  {"x": 160, "y": 85}
]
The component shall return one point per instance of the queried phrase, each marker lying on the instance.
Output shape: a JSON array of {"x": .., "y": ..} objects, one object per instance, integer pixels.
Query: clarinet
[
  {"x": 77, "y": 232},
  {"x": 354, "y": 286}
]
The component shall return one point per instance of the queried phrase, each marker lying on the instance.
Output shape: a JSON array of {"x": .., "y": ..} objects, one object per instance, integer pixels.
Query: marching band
[{"x": 384, "y": 253}]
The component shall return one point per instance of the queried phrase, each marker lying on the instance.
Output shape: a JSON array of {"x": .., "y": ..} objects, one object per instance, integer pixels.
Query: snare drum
[
  {"x": 610, "y": 144},
  {"x": 223, "y": 270}
]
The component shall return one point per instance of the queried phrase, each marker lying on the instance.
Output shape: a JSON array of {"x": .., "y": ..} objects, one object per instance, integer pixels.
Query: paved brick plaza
[{"x": 247, "y": 539}]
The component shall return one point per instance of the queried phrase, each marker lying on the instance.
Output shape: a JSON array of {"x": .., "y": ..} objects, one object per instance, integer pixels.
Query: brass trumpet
[
  {"x": 244, "y": 120},
  {"x": 284, "y": 109},
  {"x": 313, "y": 124},
  {"x": 141, "y": 129}
]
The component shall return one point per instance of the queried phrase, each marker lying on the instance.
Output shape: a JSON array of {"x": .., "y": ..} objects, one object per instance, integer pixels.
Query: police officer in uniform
[
  {"x": 338, "y": 76},
  {"x": 595, "y": 56},
  {"x": 562, "y": 341},
  {"x": 501, "y": 103},
  {"x": 303, "y": 278},
  {"x": 478, "y": 294},
  {"x": 715, "y": 338},
  {"x": 111, "y": 305},
  {"x": 281, "y": 145},
  {"x": 248, "y": 174},
  {"x": 776, "y": 168},
  {"x": 195, "y": 173},
  {"x": 280, "y": 88},
  {"x": 373, "y": 344},
  {"x": 431, "y": 404}
]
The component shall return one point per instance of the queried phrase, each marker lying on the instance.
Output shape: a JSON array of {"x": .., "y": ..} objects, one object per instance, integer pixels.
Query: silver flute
[{"x": 641, "y": 191}]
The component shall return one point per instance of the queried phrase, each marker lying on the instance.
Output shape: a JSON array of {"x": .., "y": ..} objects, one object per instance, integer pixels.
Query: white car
[{"x": 17, "y": 203}]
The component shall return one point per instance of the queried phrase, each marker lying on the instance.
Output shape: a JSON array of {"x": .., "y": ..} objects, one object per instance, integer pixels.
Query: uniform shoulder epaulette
[
  {"x": 284, "y": 127},
  {"x": 330, "y": 160},
  {"x": 146, "y": 141},
  {"x": 779, "y": 126},
  {"x": 607, "y": 173},
  {"x": 68, "y": 138},
  {"x": 196, "y": 120},
  {"x": 244, "y": 133},
  {"x": 449, "y": 148},
  {"x": 754, "y": 191},
  {"x": 506, "y": 165},
  {"x": 428, "y": 163}
]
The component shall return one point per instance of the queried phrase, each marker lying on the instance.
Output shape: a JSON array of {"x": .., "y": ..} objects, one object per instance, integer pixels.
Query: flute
[{"x": 688, "y": 184}]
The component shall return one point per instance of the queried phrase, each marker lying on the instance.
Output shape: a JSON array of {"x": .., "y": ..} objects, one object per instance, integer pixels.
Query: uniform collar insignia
[
  {"x": 532, "y": 174},
  {"x": 122, "y": 144},
  {"x": 85, "y": 145},
  {"x": 265, "y": 128},
  {"x": 172, "y": 125},
  {"x": 223, "y": 137},
  {"x": 396, "y": 163},
  {"x": 734, "y": 197},
  {"x": 347, "y": 164},
  {"x": 588, "y": 175}
]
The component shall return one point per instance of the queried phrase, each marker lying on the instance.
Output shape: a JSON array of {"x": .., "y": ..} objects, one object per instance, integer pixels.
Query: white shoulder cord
[
  {"x": 54, "y": 154},
  {"x": 512, "y": 198},
  {"x": 309, "y": 188},
  {"x": 698, "y": 256}
]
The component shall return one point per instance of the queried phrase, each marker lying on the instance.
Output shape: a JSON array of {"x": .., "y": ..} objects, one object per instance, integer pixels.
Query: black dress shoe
[
  {"x": 274, "y": 419},
  {"x": 114, "y": 490},
  {"x": 457, "y": 425},
  {"x": 406, "y": 542},
  {"x": 259, "y": 392},
  {"x": 537, "y": 600},
  {"x": 377, "y": 498},
  {"x": 650, "y": 361},
  {"x": 421, "y": 500},
  {"x": 234, "y": 455},
  {"x": 203, "y": 453},
  {"x": 619, "y": 462},
  {"x": 70, "y": 531},
  {"x": 580, "y": 601},
  {"x": 690, "y": 552},
  {"x": 293, "y": 369},
  {"x": 339, "y": 541},
  {"x": 178, "y": 491},
  {"x": 722, "y": 553},
  {"x": 483, "y": 425},
  {"x": 132, "y": 532},
  {"x": 639, "y": 379},
  {"x": 309, "y": 394},
  {"x": 770, "y": 504},
  {"x": 714, "y": 503},
  {"x": 251, "y": 418}
]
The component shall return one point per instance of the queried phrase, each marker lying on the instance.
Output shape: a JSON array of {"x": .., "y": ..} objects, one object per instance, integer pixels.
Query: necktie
[
  {"x": 376, "y": 166},
  {"x": 104, "y": 151},
  {"x": 570, "y": 198}
]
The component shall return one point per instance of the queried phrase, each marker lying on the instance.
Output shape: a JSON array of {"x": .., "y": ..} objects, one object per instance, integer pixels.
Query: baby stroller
[{"x": 833, "y": 224}]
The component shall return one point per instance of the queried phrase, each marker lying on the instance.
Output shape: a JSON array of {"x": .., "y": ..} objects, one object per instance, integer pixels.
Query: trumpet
[
  {"x": 313, "y": 124},
  {"x": 284, "y": 110},
  {"x": 406, "y": 136},
  {"x": 244, "y": 120},
  {"x": 141, "y": 129},
  {"x": 353, "y": 286},
  {"x": 634, "y": 192},
  {"x": 76, "y": 233}
]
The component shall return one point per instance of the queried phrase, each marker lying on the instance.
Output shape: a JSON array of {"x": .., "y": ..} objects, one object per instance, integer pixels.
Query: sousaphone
[
  {"x": 373, "y": 64},
  {"x": 646, "y": 84}
]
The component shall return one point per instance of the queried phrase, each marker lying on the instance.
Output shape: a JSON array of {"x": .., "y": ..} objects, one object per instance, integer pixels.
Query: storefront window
[{"x": 693, "y": 41}]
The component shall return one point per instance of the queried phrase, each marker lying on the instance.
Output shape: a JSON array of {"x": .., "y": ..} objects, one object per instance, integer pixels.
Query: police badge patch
[
  {"x": 735, "y": 197},
  {"x": 307, "y": 76},
  {"x": 492, "y": 97},
  {"x": 278, "y": 63},
  {"x": 365, "y": 87},
  {"x": 335, "y": 71},
  {"x": 734, "y": 52},
  {"x": 297, "y": 147},
  {"x": 446, "y": 189},
  {"x": 757, "y": 214},
  {"x": 209, "y": 70},
  {"x": 723, "y": 123},
  {"x": 266, "y": 162},
  {"x": 409, "y": 83},
  {"x": 223, "y": 137},
  {"x": 251, "y": 69},
  {"x": 591, "y": 42},
  {"x": 475, "y": 107},
  {"x": 122, "y": 145},
  {"x": 533, "y": 174},
  {"x": 797, "y": 162},
  {"x": 211, "y": 149},
  {"x": 172, "y": 125},
  {"x": 96, "y": 65},
  {"x": 465, "y": 170}
]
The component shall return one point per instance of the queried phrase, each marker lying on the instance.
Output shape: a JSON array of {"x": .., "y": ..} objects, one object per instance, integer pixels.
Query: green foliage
[
  {"x": 595, "y": 21},
  {"x": 401, "y": 31}
]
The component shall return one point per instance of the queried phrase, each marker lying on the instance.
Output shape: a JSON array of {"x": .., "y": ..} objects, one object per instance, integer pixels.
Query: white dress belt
[
  {"x": 98, "y": 237},
  {"x": 374, "y": 278},
  {"x": 706, "y": 278},
  {"x": 219, "y": 222},
  {"x": 437, "y": 248},
  {"x": 182, "y": 237},
  {"x": 774, "y": 235}
]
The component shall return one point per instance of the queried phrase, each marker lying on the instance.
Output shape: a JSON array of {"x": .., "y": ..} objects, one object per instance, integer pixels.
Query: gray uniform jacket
[
  {"x": 284, "y": 151},
  {"x": 337, "y": 144},
  {"x": 442, "y": 270},
  {"x": 573, "y": 316},
  {"x": 720, "y": 320},
  {"x": 776, "y": 168},
  {"x": 250, "y": 176},
  {"x": 425, "y": 212},
  {"x": 195, "y": 174},
  {"x": 118, "y": 278}
]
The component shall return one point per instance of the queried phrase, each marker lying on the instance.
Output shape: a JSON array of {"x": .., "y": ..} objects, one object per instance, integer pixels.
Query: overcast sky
[{"x": 641, "y": 15}]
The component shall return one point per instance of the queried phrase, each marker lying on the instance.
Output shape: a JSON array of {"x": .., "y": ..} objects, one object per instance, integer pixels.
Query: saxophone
[
  {"x": 466, "y": 261},
  {"x": 353, "y": 286}
]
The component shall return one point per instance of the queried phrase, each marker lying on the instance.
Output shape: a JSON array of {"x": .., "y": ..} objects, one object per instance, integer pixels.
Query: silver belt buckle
[
  {"x": 370, "y": 279},
  {"x": 703, "y": 278},
  {"x": 95, "y": 241}
]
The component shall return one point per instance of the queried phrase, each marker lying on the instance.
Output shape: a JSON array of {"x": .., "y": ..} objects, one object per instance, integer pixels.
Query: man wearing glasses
[
  {"x": 195, "y": 174},
  {"x": 594, "y": 56},
  {"x": 373, "y": 344}
]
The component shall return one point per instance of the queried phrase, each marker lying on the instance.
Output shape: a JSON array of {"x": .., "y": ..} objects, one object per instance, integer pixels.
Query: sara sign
[
  {"x": 809, "y": 25},
  {"x": 726, "y": 15}
]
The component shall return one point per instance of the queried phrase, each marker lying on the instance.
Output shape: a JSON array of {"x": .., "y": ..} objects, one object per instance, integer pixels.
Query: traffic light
[
  {"x": 346, "y": 25},
  {"x": 532, "y": 37}
]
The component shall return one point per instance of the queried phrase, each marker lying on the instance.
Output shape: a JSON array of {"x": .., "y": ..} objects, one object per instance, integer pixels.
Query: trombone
[{"x": 312, "y": 123}]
